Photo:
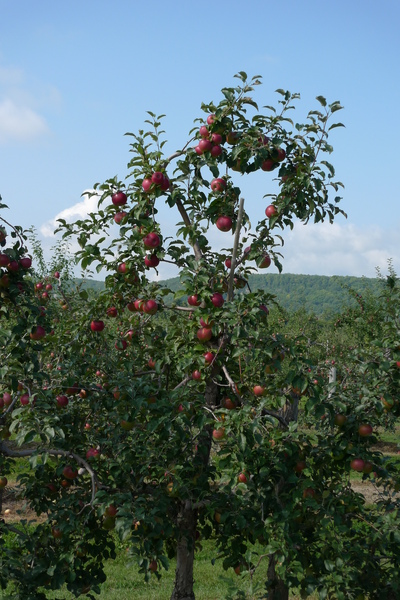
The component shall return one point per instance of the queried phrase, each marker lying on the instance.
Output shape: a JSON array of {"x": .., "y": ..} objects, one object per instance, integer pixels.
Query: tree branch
[
  {"x": 235, "y": 248},
  {"x": 56, "y": 452},
  {"x": 186, "y": 220}
]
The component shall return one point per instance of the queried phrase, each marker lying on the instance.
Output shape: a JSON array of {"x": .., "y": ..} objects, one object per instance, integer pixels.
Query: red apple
[
  {"x": 146, "y": 184},
  {"x": 93, "y": 453},
  {"x": 228, "y": 263},
  {"x": 62, "y": 401},
  {"x": 339, "y": 419},
  {"x": 122, "y": 268},
  {"x": 97, "y": 325},
  {"x": 224, "y": 223},
  {"x": 281, "y": 154},
  {"x": 151, "y": 240},
  {"x": 120, "y": 216},
  {"x": 270, "y": 211},
  {"x": 218, "y": 434},
  {"x": 207, "y": 322},
  {"x": 258, "y": 390},
  {"x": 7, "y": 398},
  {"x": 216, "y": 151},
  {"x": 368, "y": 467},
  {"x": 152, "y": 261},
  {"x": 164, "y": 185},
  {"x": 69, "y": 472},
  {"x": 121, "y": 345},
  {"x": 157, "y": 177},
  {"x": 119, "y": 198},
  {"x": 25, "y": 399},
  {"x": 4, "y": 260},
  {"x": 139, "y": 304},
  {"x": 204, "y": 334},
  {"x": 357, "y": 464},
  {"x": 38, "y": 334},
  {"x": 300, "y": 466},
  {"x": 13, "y": 266},
  {"x": 112, "y": 312},
  {"x": 150, "y": 307},
  {"x": 218, "y": 184},
  {"x": 268, "y": 165},
  {"x": 203, "y": 131},
  {"x": 111, "y": 510},
  {"x": 4, "y": 281},
  {"x": 217, "y": 299},
  {"x": 365, "y": 430},
  {"x": 56, "y": 533},
  {"x": 194, "y": 300},
  {"x": 233, "y": 137},
  {"x": 309, "y": 493},
  {"x": 196, "y": 375},
  {"x": 57, "y": 275},
  {"x": 209, "y": 357},
  {"x": 153, "y": 566},
  {"x": 205, "y": 145},
  {"x": 216, "y": 138},
  {"x": 211, "y": 119},
  {"x": 265, "y": 262},
  {"x": 25, "y": 262},
  {"x": 242, "y": 478},
  {"x": 228, "y": 403}
]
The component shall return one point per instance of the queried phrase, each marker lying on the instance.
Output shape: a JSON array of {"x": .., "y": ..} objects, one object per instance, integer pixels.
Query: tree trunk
[
  {"x": 277, "y": 589},
  {"x": 187, "y": 516},
  {"x": 187, "y": 522}
]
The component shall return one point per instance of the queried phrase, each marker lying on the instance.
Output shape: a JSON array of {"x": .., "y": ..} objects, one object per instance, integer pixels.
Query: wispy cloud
[
  {"x": 20, "y": 122},
  {"x": 20, "y": 117},
  {"x": 340, "y": 249}
]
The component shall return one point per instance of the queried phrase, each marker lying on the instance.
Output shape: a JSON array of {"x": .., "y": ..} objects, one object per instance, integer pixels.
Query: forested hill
[{"x": 315, "y": 293}]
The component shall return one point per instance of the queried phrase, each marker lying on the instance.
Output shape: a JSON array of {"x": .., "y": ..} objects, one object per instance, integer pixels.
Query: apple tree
[{"x": 164, "y": 416}]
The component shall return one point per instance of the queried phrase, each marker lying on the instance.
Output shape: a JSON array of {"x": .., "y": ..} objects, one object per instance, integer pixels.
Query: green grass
[{"x": 124, "y": 581}]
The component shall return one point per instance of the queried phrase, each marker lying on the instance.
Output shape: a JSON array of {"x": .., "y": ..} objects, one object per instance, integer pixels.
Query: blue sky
[{"x": 74, "y": 77}]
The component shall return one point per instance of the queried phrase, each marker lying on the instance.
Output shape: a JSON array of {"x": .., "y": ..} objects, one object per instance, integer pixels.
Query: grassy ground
[{"x": 124, "y": 582}]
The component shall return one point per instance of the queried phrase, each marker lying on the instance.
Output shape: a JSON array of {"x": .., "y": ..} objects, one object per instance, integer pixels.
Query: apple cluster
[
  {"x": 209, "y": 142},
  {"x": 156, "y": 180}
]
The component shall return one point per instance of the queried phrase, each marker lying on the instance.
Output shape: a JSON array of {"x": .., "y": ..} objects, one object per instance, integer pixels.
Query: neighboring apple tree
[{"x": 172, "y": 417}]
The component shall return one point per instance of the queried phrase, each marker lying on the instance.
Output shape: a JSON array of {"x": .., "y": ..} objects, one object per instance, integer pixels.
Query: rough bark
[
  {"x": 277, "y": 589},
  {"x": 187, "y": 522}
]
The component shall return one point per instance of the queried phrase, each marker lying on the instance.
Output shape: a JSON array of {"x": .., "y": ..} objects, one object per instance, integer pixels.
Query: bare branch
[
  {"x": 232, "y": 384},
  {"x": 235, "y": 248},
  {"x": 182, "y": 383},
  {"x": 186, "y": 220}
]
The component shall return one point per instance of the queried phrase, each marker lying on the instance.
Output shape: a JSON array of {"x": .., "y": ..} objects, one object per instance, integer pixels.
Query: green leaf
[
  {"x": 321, "y": 100},
  {"x": 336, "y": 125}
]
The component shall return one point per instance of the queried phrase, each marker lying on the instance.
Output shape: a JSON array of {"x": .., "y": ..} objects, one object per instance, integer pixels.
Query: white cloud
[
  {"x": 20, "y": 122},
  {"x": 313, "y": 249},
  {"x": 77, "y": 211},
  {"x": 325, "y": 249}
]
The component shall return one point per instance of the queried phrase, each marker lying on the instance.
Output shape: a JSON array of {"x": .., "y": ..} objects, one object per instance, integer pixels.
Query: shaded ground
[{"x": 15, "y": 509}]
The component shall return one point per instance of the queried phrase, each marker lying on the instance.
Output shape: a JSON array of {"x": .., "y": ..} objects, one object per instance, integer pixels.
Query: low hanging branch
[{"x": 56, "y": 452}]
